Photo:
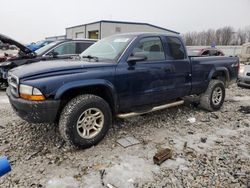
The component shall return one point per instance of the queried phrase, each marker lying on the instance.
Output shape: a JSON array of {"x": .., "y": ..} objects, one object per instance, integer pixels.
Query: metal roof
[{"x": 124, "y": 22}]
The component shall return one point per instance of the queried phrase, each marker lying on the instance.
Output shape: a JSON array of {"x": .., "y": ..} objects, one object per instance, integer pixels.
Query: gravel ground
[{"x": 213, "y": 151}]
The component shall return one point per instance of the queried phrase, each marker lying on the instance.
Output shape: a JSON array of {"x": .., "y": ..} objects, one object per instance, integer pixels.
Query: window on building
[
  {"x": 150, "y": 47},
  {"x": 118, "y": 29},
  {"x": 94, "y": 34}
]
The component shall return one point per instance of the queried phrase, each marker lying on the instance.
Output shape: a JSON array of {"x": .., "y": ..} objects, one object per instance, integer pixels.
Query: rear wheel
[
  {"x": 85, "y": 120},
  {"x": 214, "y": 96}
]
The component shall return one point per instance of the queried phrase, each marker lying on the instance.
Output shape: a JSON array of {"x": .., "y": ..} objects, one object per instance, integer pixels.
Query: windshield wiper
[{"x": 91, "y": 57}]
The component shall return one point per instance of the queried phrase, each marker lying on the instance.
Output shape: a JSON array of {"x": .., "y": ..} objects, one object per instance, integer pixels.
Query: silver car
[{"x": 244, "y": 76}]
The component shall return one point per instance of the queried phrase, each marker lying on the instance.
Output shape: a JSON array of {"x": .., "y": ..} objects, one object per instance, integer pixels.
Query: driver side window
[
  {"x": 66, "y": 49},
  {"x": 151, "y": 48}
]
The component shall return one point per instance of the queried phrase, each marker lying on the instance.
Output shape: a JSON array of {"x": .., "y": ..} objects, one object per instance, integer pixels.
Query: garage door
[{"x": 80, "y": 35}]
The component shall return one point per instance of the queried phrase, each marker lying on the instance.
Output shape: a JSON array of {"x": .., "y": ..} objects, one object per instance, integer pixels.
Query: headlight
[
  {"x": 30, "y": 93},
  {"x": 242, "y": 70}
]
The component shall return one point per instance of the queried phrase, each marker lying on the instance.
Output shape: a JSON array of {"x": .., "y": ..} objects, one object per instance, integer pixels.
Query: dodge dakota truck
[{"x": 119, "y": 76}]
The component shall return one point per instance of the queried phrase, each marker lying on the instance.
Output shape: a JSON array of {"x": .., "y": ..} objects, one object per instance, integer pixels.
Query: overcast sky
[{"x": 32, "y": 20}]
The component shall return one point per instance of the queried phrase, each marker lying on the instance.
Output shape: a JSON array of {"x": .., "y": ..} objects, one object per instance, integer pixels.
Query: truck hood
[
  {"x": 56, "y": 67},
  {"x": 10, "y": 41}
]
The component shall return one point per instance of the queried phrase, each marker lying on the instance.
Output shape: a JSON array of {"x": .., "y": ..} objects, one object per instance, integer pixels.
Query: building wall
[
  {"x": 56, "y": 37},
  {"x": 71, "y": 33},
  {"x": 108, "y": 29},
  {"x": 79, "y": 32},
  {"x": 92, "y": 27},
  {"x": 114, "y": 28}
]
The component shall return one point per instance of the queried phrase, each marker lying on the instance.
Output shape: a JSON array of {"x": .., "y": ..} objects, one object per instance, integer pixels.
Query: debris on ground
[
  {"x": 191, "y": 120},
  {"x": 162, "y": 156},
  {"x": 128, "y": 141},
  {"x": 110, "y": 186},
  {"x": 203, "y": 139},
  {"x": 244, "y": 109}
]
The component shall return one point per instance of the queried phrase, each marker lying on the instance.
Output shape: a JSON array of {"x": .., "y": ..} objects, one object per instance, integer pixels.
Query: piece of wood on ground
[{"x": 162, "y": 155}]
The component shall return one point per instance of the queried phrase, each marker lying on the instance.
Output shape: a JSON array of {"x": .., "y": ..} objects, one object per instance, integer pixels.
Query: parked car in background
[
  {"x": 35, "y": 46},
  {"x": 245, "y": 53},
  {"x": 244, "y": 76},
  {"x": 119, "y": 76},
  {"x": 4, "y": 46},
  {"x": 61, "y": 49},
  {"x": 205, "y": 52}
]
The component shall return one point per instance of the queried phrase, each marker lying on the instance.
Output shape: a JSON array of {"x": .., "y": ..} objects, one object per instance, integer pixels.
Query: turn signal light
[{"x": 32, "y": 97}]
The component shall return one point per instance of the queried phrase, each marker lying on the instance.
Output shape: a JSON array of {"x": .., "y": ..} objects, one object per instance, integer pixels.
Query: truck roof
[{"x": 137, "y": 34}]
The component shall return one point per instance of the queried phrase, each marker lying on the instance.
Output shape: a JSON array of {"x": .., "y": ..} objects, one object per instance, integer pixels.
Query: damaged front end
[{"x": 11, "y": 54}]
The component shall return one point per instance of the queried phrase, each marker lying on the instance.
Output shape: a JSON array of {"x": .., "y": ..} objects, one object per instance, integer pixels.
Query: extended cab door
[
  {"x": 176, "y": 54},
  {"x": 148, "y": 81}
]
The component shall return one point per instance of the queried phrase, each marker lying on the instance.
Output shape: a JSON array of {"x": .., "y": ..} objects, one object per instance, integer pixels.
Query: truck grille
[{"x": 13, "y": 84}]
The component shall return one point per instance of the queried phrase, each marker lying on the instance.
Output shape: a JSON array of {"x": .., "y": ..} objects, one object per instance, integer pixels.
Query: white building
[
  {"x": 104, "y": 28},
  {"x": 58, "y": 37}
]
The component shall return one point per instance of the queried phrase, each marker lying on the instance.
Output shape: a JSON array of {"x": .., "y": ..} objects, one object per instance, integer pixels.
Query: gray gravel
[{"x": 213, "y": 151}]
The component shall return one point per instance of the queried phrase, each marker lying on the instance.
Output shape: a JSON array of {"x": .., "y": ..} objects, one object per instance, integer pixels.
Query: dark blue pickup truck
[{"x": 119, "y": 76}]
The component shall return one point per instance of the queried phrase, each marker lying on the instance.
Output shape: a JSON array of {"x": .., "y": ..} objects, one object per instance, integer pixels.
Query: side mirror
[
  {"x": 53, "y": 54},
  {"x": 133, "y": 59}
]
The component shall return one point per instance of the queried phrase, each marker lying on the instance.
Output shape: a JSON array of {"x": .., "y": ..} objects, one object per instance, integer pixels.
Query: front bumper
[{"x": 35, "y": 111}]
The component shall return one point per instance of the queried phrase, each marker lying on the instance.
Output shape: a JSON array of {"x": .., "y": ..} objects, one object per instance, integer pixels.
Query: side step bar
[{"x": 132, "y": 114}]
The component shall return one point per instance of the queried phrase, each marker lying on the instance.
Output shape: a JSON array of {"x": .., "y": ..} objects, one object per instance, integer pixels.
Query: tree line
[{"x": 223, "y": 36}]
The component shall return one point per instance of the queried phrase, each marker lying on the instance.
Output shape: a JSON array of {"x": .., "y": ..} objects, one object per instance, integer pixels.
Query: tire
[
  {"x": 80, "y": 109},
  {"x": 210, "y": 102}
]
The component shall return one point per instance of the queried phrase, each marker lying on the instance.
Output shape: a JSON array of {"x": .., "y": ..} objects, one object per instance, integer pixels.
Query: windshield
[
  {"x": 44, "y": 49},
  {"x": 109, "y": 48}
]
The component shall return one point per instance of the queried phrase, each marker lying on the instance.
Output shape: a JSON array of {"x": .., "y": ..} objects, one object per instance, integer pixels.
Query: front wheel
[
  {"x": 214, "y": 96},
  {"x": 85, "y": 120}
]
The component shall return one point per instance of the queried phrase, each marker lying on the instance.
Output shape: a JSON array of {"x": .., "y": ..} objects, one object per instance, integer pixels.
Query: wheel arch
[
  {"x": 101, "y": 88},
  {"x": 220, "y": 73}
]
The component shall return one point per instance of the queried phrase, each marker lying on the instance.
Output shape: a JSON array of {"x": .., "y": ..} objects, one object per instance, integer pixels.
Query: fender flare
[
  {"x": 86, "y": 83},
  {"x": 219, "y": 69}
]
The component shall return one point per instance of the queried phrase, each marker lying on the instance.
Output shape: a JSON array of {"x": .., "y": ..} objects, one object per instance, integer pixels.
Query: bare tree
[
  {"x": 189, "y": 39},
  {"x": 221, "y": 36},
  {"x": 247, "y": 30},
  {"x": 226, "y": 35},
  {"x": 210, "y": 37},
  {"x": 218, "y": 34},
  {"x": 241, "y": 36}
]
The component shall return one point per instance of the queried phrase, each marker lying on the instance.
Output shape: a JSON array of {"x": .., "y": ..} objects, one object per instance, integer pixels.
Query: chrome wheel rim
[
  {"x": 90, "y": 123},
  {"x": 217, "y": 96}
]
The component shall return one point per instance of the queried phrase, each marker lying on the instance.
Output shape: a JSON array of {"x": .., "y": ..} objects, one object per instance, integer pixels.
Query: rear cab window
[
  {"x": 82, "y": 46},
  {"x": 175, "y": 49}
]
